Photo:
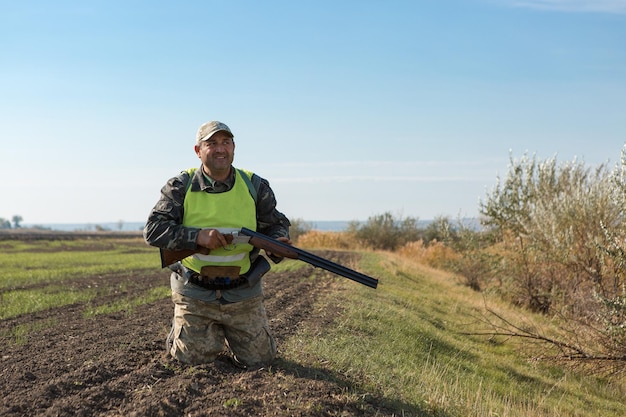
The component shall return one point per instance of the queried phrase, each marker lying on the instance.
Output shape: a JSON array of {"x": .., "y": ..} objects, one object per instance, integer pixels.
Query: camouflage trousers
[{"x": 204, "y": 330}]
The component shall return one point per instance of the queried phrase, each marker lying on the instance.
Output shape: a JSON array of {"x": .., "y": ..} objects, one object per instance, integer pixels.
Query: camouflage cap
[{"x": 209, "y": 129}]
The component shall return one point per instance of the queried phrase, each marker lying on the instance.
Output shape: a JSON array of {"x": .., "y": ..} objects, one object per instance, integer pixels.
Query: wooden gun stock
[
  {"x": 275, "y": 247},
  {"x": 169, "y": 257}
]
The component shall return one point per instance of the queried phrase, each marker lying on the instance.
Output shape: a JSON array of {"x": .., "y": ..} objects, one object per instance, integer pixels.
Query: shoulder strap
[
  {"x": 189, "y": 171},
  {"x": 252, "y": 181}
]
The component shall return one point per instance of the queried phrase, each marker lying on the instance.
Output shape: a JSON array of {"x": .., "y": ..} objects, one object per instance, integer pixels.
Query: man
[{"x": 217, "y": 297}]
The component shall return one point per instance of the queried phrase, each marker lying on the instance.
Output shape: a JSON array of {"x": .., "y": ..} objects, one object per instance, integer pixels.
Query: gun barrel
[{"x": 310, "y": 258}]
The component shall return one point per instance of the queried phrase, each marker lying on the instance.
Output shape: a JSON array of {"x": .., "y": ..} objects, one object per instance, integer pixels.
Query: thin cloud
[
  {"x": 593, "y": 6},
  {"x": 371, "y": 178},
  {"x": 436, "y": 171},
  {"x": 383, "y": 164}
]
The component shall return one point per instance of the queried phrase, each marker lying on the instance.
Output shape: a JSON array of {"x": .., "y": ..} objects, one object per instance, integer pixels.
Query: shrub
[
  {"x": 550, "y": 217},
  {"x": 385, "y": 232},
  {"x": 562, "y": 230}
]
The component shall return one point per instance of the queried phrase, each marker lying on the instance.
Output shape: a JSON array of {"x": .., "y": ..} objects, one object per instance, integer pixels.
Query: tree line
[{"x": 6, "y": 224}]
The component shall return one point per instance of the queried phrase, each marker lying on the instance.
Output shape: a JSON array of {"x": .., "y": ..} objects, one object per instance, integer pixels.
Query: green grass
[
  {"x": 37, "y": 275},
  {"x": 19, "y": 302},
  {"x": 28, "y": 263},
  {"x": 404, "y": 341},
  {"x": 287, "y": 265},
  {"x": 19, "y": 334},
  {"x": 128, "y": 304}
]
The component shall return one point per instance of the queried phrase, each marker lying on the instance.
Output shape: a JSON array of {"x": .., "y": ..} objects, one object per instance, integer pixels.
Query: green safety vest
[{"x": 227, "y": 212}]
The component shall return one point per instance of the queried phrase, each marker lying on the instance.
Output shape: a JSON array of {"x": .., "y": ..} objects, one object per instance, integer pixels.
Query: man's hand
[
  {"x": 283, "y": 239},
  {"x": 211, "y": 238}
]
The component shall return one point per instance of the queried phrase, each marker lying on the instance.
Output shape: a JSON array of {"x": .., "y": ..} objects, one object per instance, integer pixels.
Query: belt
[{"x": 216, "y": 283}]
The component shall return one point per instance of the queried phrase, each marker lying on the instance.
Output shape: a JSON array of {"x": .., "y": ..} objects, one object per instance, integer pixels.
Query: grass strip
[
  {"x": 403, "y": 342},
  {"x": 28, "y": 263},
  {"x": 19, "y": 334},
  {"x": 15, "y": 303},
  {"x": 129, "y": 304}
]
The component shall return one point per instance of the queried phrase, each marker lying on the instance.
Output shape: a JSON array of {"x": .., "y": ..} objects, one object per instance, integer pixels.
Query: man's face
[{"x": 217, "y": 154}]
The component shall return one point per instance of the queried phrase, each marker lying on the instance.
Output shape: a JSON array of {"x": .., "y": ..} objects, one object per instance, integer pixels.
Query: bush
[
  {"x": 385, "y": 232},
  {"x": 476, "y": 264},
  {"x": 550, "y": 217},
  {"x": 562, "y": 230}
]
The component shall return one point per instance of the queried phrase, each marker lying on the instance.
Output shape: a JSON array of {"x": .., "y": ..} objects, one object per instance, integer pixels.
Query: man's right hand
[{"x": 211, "y": 238}]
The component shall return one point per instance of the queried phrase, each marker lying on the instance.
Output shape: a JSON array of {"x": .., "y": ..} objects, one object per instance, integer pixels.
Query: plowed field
[{"x": 116, "y": 364}]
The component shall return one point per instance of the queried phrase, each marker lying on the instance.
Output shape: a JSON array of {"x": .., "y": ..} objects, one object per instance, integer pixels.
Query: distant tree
[
  {"x": 120, "y": 225},
  {"x": 4, "y": 224},
  {"x": 17, "y": 219}
]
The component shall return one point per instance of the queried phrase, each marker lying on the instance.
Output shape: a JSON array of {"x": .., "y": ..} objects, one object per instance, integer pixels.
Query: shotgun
[{"x": 276, "y": 248}]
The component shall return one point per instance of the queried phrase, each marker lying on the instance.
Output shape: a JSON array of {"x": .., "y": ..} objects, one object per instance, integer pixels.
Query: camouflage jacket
[{"x": 164, "y": 228}]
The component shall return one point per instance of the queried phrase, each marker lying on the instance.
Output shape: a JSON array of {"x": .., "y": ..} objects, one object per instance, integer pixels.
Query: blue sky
[{"x": 349, "y": 108}]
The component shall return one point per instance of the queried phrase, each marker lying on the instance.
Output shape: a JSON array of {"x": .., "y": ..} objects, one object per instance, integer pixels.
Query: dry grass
[
  {"x": 316, "y": 239},
  {"x": 436, "y": 254}
]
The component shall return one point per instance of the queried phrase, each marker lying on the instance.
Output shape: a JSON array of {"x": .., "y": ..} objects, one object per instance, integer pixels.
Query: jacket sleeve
[
  {"x": 270, "y": 221},
  {"x": 164, "y": 228}
]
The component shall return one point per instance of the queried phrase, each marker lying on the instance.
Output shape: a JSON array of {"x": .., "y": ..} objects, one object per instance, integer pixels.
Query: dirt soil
[{"x": 116, "y": 364}]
